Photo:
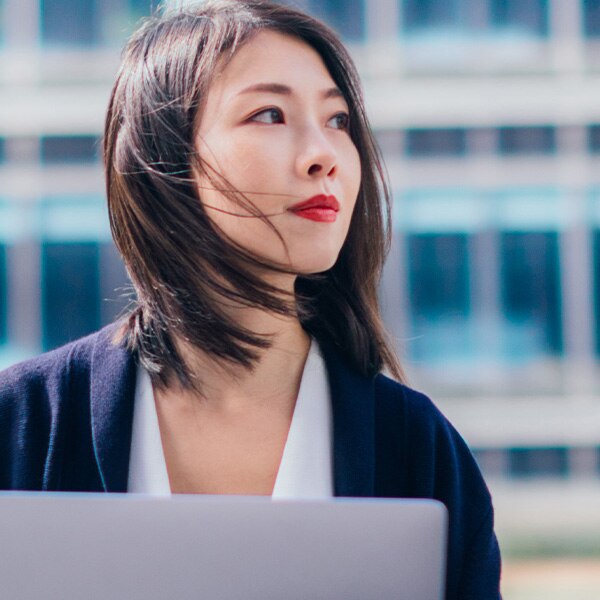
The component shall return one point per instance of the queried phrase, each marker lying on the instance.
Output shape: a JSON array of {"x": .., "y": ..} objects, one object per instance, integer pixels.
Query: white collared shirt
[{"x": 306, "y": 468}]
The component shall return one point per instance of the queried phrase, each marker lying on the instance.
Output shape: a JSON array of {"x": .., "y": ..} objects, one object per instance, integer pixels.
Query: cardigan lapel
[
  {"x": 352, "y": 398},
  {"x": 113, "y": 375},
  {"x": 112, "y": 392}
]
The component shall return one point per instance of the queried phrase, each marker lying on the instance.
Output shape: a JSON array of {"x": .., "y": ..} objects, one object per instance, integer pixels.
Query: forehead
[{"x": 272, "y": 57}]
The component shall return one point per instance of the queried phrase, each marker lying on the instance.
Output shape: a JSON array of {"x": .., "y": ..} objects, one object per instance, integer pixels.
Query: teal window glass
[
  {"x": 70, "y": 291},
  {"x": 439, "y": 294},
  {"x": 439, "y": 274},
  {"x": 69, "y": 149},
  {"x": 520, "y": 16},
  {"x": 142, "y": 8},
  {"x": 530, "y": 290},
  {"x": 3, "y": 294},
  {"x": 596, "y": 283},
  {"x": 347, "y": 17},
  {"x": 116, "y": 291},
  {"x": 435, "y": 142},
  {"x": 90, "y": 22},
  {"x": 527, "y": 140},
  {"x": 69, "y": 22},
  {"x": 591, "y": 17},
  {"x": 136, "y": 10},
  {"x": 538, "y": 462},
  {"x": 593, "y": 138},
  {"x": 463, "y": 17},
  {"x": 425, "y": 14}
]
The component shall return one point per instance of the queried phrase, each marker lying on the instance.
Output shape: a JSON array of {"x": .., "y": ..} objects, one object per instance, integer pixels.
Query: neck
[{"x": 276, "y": 375}]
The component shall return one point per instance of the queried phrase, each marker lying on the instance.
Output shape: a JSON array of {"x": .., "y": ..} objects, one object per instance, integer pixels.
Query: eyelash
[{"x": 345, "y": 117}]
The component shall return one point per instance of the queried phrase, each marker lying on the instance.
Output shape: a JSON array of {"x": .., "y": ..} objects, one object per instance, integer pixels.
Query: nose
[{"x": 317, "y": 156}]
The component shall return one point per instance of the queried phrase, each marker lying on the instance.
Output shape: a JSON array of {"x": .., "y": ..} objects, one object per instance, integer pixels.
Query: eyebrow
[{"x": 284, "y": 90}]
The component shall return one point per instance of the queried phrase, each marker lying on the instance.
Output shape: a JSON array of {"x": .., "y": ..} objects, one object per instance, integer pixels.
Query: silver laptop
[{"x": 128, "y": 547}]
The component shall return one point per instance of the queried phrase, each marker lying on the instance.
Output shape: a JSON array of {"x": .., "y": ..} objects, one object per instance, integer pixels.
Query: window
[
  {"x": 345, "y": 16},
  {"x": 141, "y": 8},
  {"x": 424, "y": 14},
  {"x": 439, "y": 273},
  {"x": 69, "y": 22},
  {"x": 435, "y": 142},
  {"x": 90, "y": 22},
  {"x": 530, "y": 282},
  {"x": 439, "y": 293},
  {"x": 596, "y": 267},
  {"x": 70, "y": 291},
  {"x": 538, "y": 462},
  {"x": 72, "y": 149},
  {"x": 115, "y": 287},
  {"x": 591, "y": 17},
  {"x": 117, "y": 19},
  {"x": 526, "y": 16},
  {"x": 467, "y": 16},
  {"x": 594, "y": 139},
  {"x": 3, "y": 294},
  {"x": 527, "y": 140},
  {"x": 2, "y": 150}
]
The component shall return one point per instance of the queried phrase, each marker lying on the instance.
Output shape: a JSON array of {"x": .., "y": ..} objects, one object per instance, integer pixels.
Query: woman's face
[{"x": 275, "y": 126}]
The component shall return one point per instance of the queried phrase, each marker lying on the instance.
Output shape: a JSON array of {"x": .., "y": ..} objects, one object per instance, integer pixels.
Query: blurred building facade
[{"x": 488, "y": 115}]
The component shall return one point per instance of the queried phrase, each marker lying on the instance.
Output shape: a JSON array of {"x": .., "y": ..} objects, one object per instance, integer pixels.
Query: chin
[
  {"x": 314, "y": 264},
  {"x": 315, "y": 256}
]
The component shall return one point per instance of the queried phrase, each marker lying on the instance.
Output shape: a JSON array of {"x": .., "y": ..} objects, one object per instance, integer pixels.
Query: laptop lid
[{"x": 59, "y": 546}]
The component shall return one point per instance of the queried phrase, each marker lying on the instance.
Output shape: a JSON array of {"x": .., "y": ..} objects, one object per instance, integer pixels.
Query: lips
[{"x": 321, "y": 208}]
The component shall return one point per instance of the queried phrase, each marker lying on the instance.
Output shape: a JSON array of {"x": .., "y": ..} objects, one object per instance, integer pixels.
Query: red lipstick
[{"x": 320, "y": 208}]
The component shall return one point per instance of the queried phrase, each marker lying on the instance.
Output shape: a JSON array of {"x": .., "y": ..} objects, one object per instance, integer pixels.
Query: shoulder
[
  {"x": 399, "y": 404},
  {"x": 418, "y": 439},
  {"x": 421, "y": 455},
  {"x": 46, "y": 368},
  {"x": 45, "y": 409},
  {"x": 48, "y": 376}
]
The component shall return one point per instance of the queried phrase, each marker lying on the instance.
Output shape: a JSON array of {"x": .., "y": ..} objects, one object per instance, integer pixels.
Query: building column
[
  {"x": 583, "y": 463},
  {"x": 494, "y": 463},
  {"x": 577, "y": 302},
  {"x": 24, "y": 298},
  {"x": 21, "y": 23},
  {"x": 484, "y": 256},
  {"x": 566, "y": 36},
  {"x": 24, "y": 252},
  {"x": 576, "y": 265},
  {"x": 394, "y": 294},
  {"x": 383, "y": 33},
  {"x": 21, "y": 33},
  {"x": 484, "y": 253}
]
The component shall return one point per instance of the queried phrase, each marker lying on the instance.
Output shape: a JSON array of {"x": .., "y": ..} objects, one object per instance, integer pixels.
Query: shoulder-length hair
[{"x": 182, "y": 267}]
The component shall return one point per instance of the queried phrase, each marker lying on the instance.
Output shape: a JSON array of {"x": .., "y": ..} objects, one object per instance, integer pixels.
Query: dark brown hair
[{"x": 181, "y": 265}]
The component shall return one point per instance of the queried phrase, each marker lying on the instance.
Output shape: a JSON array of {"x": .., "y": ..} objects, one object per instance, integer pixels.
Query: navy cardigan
[{"x": 66, "y": 421}]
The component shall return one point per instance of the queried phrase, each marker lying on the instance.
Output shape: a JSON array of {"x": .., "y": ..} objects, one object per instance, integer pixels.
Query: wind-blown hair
[{"x": 184, "y": 269}]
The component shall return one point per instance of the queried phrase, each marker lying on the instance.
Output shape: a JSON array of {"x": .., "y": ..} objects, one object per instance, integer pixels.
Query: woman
[{"x": 247, "y": 199}]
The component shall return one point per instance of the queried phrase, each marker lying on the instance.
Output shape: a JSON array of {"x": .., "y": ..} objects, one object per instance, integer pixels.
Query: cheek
[
  {"x": 353, "y": 174},
  {"x": 246, "y": 163}
]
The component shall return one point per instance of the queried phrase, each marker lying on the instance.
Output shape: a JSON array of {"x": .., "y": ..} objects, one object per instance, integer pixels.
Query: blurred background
[{"x": 488, "y": 115}]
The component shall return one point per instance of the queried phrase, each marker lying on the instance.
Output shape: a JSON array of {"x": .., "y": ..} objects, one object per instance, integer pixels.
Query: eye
[
  {"x": 340, "y": 121},
  {"x": 269, "y": 116}
]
